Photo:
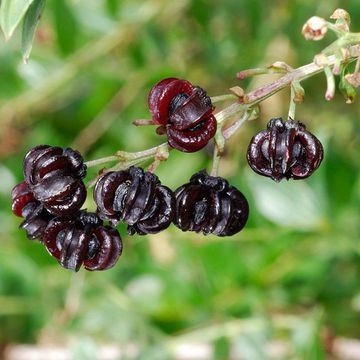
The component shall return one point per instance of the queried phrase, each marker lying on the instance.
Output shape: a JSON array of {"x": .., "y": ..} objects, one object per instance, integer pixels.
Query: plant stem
[
  {"x": 164, "y": 147},
  {"x": 292, "y": 106},
  {"x": 226, "y": 97},
  {"x": 230, "y": 131},
  {"x": 132, "y": 157},
  {"x": 100, "y": 161},
  {"x": 299, "y": 74},
  {"x": 216, "y": 161}
]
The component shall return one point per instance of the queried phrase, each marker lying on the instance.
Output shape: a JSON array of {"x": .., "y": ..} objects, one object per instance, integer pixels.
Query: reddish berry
[
  {"x": 21, "y": 196},
  {"x": 185, "y": 111},
  {"x": 285, "y": 150},
  {"x": 209, "y": 204}
]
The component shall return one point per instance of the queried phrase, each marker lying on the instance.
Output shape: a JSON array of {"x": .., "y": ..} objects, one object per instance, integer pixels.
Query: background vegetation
[{"x": 292, "y": 275}]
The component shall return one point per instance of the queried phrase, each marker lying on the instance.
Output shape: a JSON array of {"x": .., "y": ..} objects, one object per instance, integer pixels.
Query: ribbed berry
[
  {"x": 285, "y": 150},
  {"x": 26, "y": 206},
  {"x": 210, "y": 205},
  {"x": 82, "y": 240},
  {"x": 54, "y": 175},
  {"x": 136, "y": 197},
  {"x": 185, "y": 111}
]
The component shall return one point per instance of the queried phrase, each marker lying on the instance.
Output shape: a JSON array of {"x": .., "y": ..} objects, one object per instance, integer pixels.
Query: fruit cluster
[
  {"x": 50, "y": 199},
  {"x": 52, "y": 195},
  {"x": 76, "y": 237}
]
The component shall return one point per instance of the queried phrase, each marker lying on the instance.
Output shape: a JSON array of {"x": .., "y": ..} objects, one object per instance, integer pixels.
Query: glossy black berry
[
  {"x": 82, "y": 240},
  {"x": 185, "y": 111},
  {"x": 210, "y": 205},
  {"x": 135, "y": 197},
  {"x": 54, "y": 175},
  {"x": 285, "y": 150}
]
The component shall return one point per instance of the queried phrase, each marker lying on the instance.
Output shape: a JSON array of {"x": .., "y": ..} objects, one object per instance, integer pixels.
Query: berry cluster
[
  {"x": 78, "y": 238},
  {"x": 184, "y": 112},
  {"x": 50, "y": 199},
  {"x": 53, "y": 193}
]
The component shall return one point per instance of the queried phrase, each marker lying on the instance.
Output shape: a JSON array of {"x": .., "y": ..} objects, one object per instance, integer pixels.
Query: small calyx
[
  {"x": 82, "y": 240},
  {"x": 54, "y": 176},
  {"x": 135, "y": 197},
  {"x": 285, "y": 150},
  {"x": 185, "y": 112},
  {"x": 210, "y": 205}
]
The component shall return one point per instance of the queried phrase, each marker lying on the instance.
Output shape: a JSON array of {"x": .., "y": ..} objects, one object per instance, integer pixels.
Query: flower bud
[{"x": 315, "y": 28}]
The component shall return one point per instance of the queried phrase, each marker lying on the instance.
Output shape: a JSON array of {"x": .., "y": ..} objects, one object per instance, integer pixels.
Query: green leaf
[
  {"x": 66, "y": 26},
  {"x": 31, "y": 20},
  {"x": 11, "y": 13}
]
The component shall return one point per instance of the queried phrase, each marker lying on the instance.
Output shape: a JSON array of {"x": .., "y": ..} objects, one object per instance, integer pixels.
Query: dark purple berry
[
  {"x": 185, "y": 111},
  {"x": 285, "y": 150},
  {"x": 54, "y": 175},
  {"x": 82, "y": 240},
  {"x": 135, "y": 197},
  {"x": 210, "y": 205}
]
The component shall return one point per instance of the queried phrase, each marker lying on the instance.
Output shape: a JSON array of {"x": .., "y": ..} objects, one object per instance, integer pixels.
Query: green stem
[
  {"x": 131, "y": 157},
  {"x": 100, "y": 161},
  {"x": 226, "y": 97},
  {"x": 292, "y": 106}
]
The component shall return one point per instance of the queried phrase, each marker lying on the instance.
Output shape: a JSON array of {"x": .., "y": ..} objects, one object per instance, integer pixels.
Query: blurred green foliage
[{"x": 291, "y": 273}]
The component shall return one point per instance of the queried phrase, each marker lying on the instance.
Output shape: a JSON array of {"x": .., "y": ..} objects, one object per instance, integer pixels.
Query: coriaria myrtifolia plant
[{"x": 51, "y": 197}]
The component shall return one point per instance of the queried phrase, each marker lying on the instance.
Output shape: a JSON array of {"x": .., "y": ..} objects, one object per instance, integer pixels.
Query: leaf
[
  {"x": 31, "y": 19},
  {"x": 66, "y": 26},
  {"x": 11, "y": 13}
]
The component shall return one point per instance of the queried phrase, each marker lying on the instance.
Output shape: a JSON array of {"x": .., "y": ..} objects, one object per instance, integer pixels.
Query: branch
[{"x": 302, "y": 73}]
